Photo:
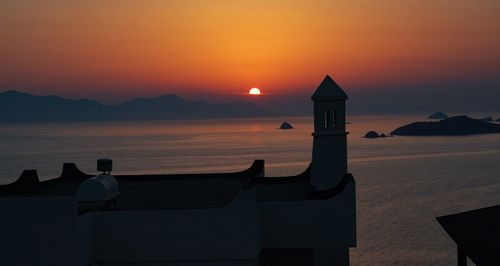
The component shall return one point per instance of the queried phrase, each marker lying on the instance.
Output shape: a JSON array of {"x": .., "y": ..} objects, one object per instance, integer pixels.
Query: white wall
[
  {"x": 47, "y": 231},
  {"x": 85, "y": 239},
  {"x": 38, "y": 230},
  {"x": 310, "y": 224},
  {"x": 231, "y": 232},
  {"x": 329, "y": 160}
]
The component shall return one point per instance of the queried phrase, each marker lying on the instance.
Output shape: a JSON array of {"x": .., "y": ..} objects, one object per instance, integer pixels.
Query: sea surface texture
[{"x": 403, "y": 183}]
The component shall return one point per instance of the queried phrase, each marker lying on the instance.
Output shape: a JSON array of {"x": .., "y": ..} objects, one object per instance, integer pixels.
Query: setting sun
[{"x": 254, "y": 91}]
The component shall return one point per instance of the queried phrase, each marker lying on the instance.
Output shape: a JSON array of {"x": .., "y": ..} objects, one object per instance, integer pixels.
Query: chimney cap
[
  {"x": 329, "y": 90},
  {"x": 104, "y": 165}
]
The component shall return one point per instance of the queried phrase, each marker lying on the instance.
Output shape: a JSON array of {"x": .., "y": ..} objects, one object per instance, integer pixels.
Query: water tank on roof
[
  {"x": 103, "y": 187},
  {"x": 98, "y": 188}
]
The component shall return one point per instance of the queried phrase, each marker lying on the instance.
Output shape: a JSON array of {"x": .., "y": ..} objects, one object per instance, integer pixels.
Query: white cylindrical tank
[{"x": 98, "y": 188}]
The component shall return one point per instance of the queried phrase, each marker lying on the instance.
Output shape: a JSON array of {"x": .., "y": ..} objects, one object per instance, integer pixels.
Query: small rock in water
[
  {"x": 383, "y": 135},
  {"x": 286, "y": 125},
  {"x": 372, "y": 135}
]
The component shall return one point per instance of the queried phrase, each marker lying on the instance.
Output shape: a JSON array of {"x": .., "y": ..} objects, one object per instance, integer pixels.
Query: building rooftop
[
  {"x": 177, "y": 191},
  {"x": 476, "y": 233},
  {"x": 171, "y": 191}
]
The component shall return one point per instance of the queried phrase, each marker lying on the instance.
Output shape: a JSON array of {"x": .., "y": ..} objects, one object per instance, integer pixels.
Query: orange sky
[{"x": 106, "y": 49}]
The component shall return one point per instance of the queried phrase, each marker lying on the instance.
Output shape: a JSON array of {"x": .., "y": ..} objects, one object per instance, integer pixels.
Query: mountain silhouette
[{"x": 18, "y": 107}]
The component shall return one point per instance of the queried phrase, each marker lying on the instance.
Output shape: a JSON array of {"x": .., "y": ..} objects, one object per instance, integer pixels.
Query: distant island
[
  {"x": 374, "y": 135},
  {"x": 286, "y": 125},
  {"x": 18, "y": 107},
  {"x": 453, "y": 126},
  {"x": 438, "y": 115}
]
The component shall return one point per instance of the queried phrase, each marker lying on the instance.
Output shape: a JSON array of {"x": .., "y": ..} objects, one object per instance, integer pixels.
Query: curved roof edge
[
  {"x": 334, "y": 191},
  {"x": 255, "y": 170},
  {"x": 27, "y": 183},
  {"x": 303, "y": 177}
]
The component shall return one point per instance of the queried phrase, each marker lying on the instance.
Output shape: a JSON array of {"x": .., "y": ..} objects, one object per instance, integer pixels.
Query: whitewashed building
[{"x": 242, "y": 218}]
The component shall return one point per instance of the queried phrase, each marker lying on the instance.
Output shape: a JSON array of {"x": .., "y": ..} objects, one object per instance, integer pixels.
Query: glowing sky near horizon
[{"x": 106, "y": 49}]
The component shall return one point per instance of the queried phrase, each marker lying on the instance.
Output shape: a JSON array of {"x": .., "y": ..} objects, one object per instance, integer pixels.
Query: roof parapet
[{"x": 27, "y": 183}]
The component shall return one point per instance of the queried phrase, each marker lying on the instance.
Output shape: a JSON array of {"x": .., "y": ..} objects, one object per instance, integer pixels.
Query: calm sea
[{"x": 403, "y": 183}]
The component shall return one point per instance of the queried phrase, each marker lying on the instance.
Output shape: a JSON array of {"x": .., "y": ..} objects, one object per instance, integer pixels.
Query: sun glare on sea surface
[{"x": 254, "y": 91}]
